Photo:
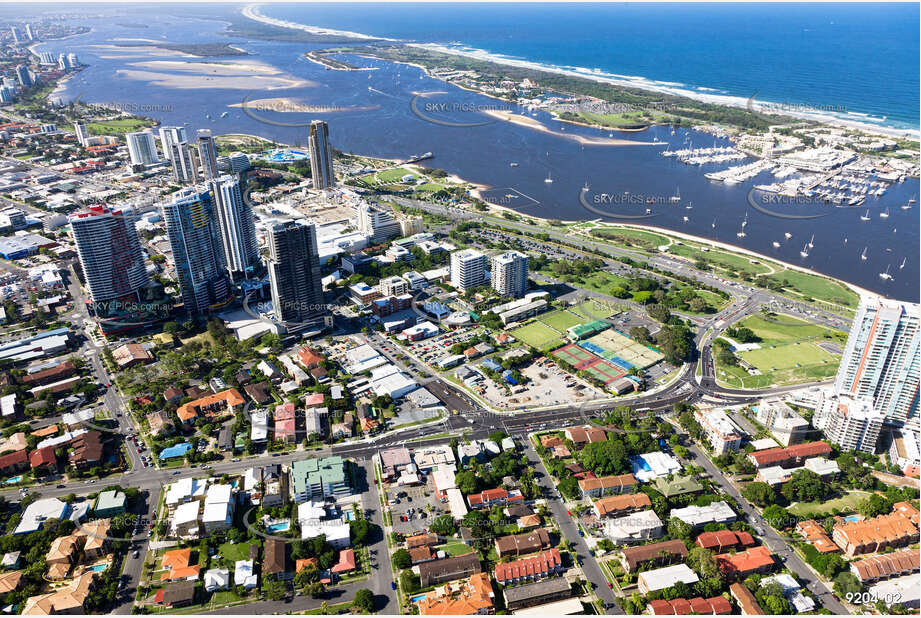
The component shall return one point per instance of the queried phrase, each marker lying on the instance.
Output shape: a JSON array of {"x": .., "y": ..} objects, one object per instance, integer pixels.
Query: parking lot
[{"x": 414, "y": 505}]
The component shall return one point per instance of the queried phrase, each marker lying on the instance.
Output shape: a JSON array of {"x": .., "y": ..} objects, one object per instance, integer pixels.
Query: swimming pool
[
  {"x": 13, "y": 480},
  {"x": 417, "y": 598},
  {"x": 279, "y": 527},
  {"x": 99, "y": 568},
  {"x": 853, "y": 518}
]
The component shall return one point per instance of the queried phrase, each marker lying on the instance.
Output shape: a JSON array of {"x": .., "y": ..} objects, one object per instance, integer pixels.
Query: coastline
[
  {"x": 646, "y": 84},
  {"x": 535, "y": 125},
  {"x": 641, "y": 83}
]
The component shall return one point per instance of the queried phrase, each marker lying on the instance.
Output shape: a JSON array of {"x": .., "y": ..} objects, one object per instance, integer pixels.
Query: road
[{"x": 770, "y": 537}]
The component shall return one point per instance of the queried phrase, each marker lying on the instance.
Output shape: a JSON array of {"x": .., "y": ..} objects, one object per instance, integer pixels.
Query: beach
[{"x": 531, "y": 123}]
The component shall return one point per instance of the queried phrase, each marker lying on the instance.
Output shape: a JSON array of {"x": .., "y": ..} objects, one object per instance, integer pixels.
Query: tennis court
[
  {"x": 582, "y": 360},
  {"x": 621, "y": 350}
]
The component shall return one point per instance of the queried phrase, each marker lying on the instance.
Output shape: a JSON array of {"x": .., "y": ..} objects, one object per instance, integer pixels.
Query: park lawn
[
  {"x": 787, "y": 329},
  {"x": 788, "y": 357},
  {"x": 646, "y": 240},
  {"x": 430, "y": 187},
  {"x": 714, "y": 300},
  {"x": 726, "y": 261},
  {"x": 537, "y": 335},
  {"x": 737, "y": 377},
  {"x": 819, "y": 288},
  {"x": 596, "y": 309},
  {"x": 847, "y": 502},
  {"x": 560, "y": 320},
  {"x": 632, "y": 119},
  {"x": 455, "y": 548},
  {"x": 117, "y": 126},
  {"x": 394, "y": 175},
  {"x": 234, "y": 551}
]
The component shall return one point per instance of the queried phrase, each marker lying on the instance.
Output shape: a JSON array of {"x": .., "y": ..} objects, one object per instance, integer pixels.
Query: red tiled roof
[
  {"x": 897, "y": 563},
  {"x": 13, "y": 459},
  {"x": 725, "y": 539},
  {"x": 745, "y": 562},
  {"x": 42, "y": 457},
  {"x": 777, "y": 455},
  {"x": 346, "y": 561},
  {"x": 535, "y": 566}
]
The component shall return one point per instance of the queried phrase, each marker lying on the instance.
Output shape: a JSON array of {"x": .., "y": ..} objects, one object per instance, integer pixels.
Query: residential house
[
  {"x": 717, "y": 606},
  {"x": 815, "y": 534},
  {"x": 473, "y": 596},
  {"x": 896, "y": 529},
  {"x": 531, "y": 568},
  {"x": 633, "y": 528},
  {"x": 276, "y": 563},
  {"x": 618, "y": 484},
  {"x": 610, "y": 506},
  {"x": 580, "y": 436},
  {"x": 215, "y": 406},
  {"x": 160, "y": 422},
  {"x": 885, "y": 566},
  {"x": 660, "y": 579},
  {"x": 493, "y": 497},
  {"x": 662, "y": 552},
  {"x": 746, "y": 601},
  {"x": 177, "y": 594},
  {"x": 448, "y": 569},
  {"x": 258, "y": 393},
  {"x": 537, "y": 593},
  {"x": 522, "y": 544},
  {"x": 722, "y": 541},
  {"x": 744, "y": 563},
  {"x": 698, "y": 516}
]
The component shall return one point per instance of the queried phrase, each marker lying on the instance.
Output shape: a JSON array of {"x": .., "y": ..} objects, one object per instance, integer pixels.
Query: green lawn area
[
  {"x": 537, "y": 335},
  {"x": 632, "y": 119},
  {"x": 596, "y": 309},
  {"x": 455, "y": 548},
  {"x": 234, "y": 551},
  {"x": 394, "y": 175},
  {"x": 430, "y": 187},
  {"x": 721, "y": 259},
  {"x": 630, "y": 236},
  {"x": 819, "y": 288},
  {"x": 847, "y": 502},
  {"x": 789, "y": 353},
  {"x": 714, "y": 300},
  {"x": 117, "y": 126},
  {"x": 560, "y": 320}
]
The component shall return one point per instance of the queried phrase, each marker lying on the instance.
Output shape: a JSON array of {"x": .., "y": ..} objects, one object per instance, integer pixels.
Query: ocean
[
  {"x": 376, "y": 112},
  {"x": 857, "y": 61}
]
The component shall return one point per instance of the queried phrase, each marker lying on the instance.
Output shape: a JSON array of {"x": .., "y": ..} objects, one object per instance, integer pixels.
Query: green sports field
[
  {"x": 560, "y": 320},
  {"x": 538, "y": 335},
  {"x": 596, "y": 309}
]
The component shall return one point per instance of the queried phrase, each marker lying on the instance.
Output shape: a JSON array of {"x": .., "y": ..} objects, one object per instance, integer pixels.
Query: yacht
[
  {"x": 713, "y": 225},
  {"x": 812, "y": 242},
  {"x": 902, "y": 265},
  {"x": 677, "y": 196},
  {"x": 906, "y": 206},
  {"x": 863, "y": 254},
  {"x": 885, "y": 276},
  {"x": 865, "y": 216},
  {"x": 805, "y": 252},
  {"x": 548, "y": 179},
  {"x": 686, "y": 219},
  {"x": 776, "y": 244},
  {"x": 513, "y": 164},
  {"x": 788, "y": 235},
  {"x": 884, "y": 214}
]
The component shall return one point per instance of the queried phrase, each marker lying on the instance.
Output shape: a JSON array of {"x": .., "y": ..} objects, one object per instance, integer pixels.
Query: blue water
[
  {"x": 280, "y": 527},
  {"x": 13, "y": 480},
  {"x": 99, "y": 568},
  {"x": 854, "y": 59},
  {"x": 380, "y": 121},
  {"x": 417, "y": 598},
  {"x": 853, "y": 518}
]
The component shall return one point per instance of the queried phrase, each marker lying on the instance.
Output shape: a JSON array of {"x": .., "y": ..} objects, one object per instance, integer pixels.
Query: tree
[
  {"x": 467, "y": 482},
  {"x": 761, "y": 494},
  {"x": 778, "y": 517},
  {"x": 364, "y": 600},
  {"x": 845, "y": 583},
  {"x": 443, "y": 525},
  {"x": 402, "y": 559},
  {"x": 606, "y": 457},
  {"x": 701, "y": 560},
  {"x": 805, "y": 486},
  {"x": 274, "y": 589},
  {"x": 409, "y": 582},
  {"x": 678, "y": 529},
  {"x": 359, "y": 530},
  {"x": 874, "y": 505}
]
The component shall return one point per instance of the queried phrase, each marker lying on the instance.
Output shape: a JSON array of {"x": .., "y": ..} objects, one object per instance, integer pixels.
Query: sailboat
[
  {"x": 513, "y": 164},
  {"x": 690, "y": 206},
  {"x": 548, "y": 179},
  {"x": 686, "y": 219},
  {"x": 713, "y": 225},
  {"x": 913, "y": 200},
  {"x": 886, "y": 276},
  {"x": 845, "y": 240},
  {"x": 812, "y": 242},
  {"x": 677, "y": 196},
  {"x": 884, "y": 214},
  {"x": 902, "y": 265},
  {"x": 787, "y": 235},
  {"x": 805, "y": 252},
  {"x": 863, "y": 254},
  {"x": 741, "y": 233},
  {"x": 776, "y": 244},
  {"x": 906, "y": 206},
  {"x": 865, "y": 216}
]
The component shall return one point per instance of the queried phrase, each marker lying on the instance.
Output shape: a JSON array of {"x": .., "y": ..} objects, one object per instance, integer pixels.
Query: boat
[
  {"x": 677, "y": 196},
  {"x": 906, "y": 206},
  {"x": 787, "y": 235},
  {"x": 686, "y": 219},
  {"x": 884, "y": 214},
  {"x": 713, "y": 225},
  {"x": 845, "y": 240},
  {"x": 865, "y": 216},
  {"x": 863, "y": 254},
  {"x": 690, "y": 206},
  {"x": 885, "y": 276},
  {"x": 805, "y": 252},
  {"x": 224, "y": 114},
  {"x": 902, "y": 265},
  {"x": 913, "y": 200},
  {"x": 741, "y": 234},
  {"x": 776, "y": 244},
  {"x": 513, "y": 164},
  {"x": 812, "y": 242},
  {"x": 648, "y": 211},
  {"x": 745, "y": 221},
  {"x": 548, "y": 179}
]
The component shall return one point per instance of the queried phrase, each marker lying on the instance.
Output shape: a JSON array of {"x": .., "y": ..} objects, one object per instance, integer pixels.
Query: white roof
[
  {"x": 566, "y": 607},
  {"x": 37, "y": 512},
  {"x": 75, "y": 418},
  {"x": 8, "y": 404},
  {"x": 822, "y": 466},
  {"x": 64, "y": 438},
  {"x": 186, "y": 513},
  {"x": 309, "y": 512},
  {"x": 763, "y": 443},
  {"x": 443, "y": 478},
  {"x": 635, "y": 526},
  {"x": 700, "y": 515},
  {"x": 215, "y": 513},
  {"x": 185, "y": 489},
  {"x": 423, "y": 398},
  {"x": 260, "y": 425},
  {"x": 217, "y": 578},
  {"x": 456, "y": 503},
  {"x": 243, "y": 574},
  {"x": 659, "y": 579},
  {"x": 787, "y": 582},
  {"x": 335, "y": 530},
  {"x": 658, "y": 464},
  {"x": 907, "y": 589},
  {"x": 219, "y": 494}
]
